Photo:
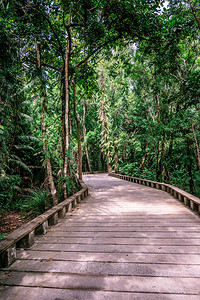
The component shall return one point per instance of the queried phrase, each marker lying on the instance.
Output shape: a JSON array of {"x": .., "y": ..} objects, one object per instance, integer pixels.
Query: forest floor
[{"x": 11, "y": 221}]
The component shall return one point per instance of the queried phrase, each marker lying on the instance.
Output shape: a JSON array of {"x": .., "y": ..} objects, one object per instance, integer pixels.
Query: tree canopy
[{"x": 97, "y": 85}]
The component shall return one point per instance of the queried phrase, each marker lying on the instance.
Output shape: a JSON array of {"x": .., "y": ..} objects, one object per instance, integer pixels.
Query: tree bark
[
  {"x": 197, "y": 146},
  {"x": 78, "y": 124},
  {"x": 49, "y": 171},
  {"x": 194, "y": 13},
  {"x": 103, "y": 119},
  {"x": 189, "y": 166},
  {"x": 116, "y": 161},
  {"x": 144, "y": 158},
  {"x": 65, "y": 114},
  {"x": 84, "y": 135}
]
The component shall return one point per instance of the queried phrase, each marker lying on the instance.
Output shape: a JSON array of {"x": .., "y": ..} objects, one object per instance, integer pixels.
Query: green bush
[
  {"x": 9, "y": 192},
  {"x": 36, "y": 203}
]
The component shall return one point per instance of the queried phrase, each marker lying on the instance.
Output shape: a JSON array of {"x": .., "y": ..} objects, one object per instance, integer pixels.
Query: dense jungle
[{"x": 87, "y": 85}]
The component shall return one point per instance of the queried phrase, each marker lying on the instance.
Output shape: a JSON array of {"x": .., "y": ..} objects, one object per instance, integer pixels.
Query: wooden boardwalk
[{"x": 125, "y": 241}]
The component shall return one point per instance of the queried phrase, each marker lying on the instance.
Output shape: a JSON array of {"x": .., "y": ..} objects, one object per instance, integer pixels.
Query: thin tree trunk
[
  {"x": 71, "y": 140},
  {"x": 194, "y": 13},
  {"x": 144, "y": 158},
  {"x": 49, "y": 171},
  {"x": 65, "y": 114},
  {"x": 197, "y": 146},
  {"x": 104, "y": 122},
  {"x": 189, "y": 166},
  {"x": 78, "y": 124},
  {"x": 116, "y": 160},
  {"x": 84, "y": 135}
]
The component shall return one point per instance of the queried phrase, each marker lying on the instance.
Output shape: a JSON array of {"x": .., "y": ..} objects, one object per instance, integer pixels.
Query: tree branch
[
  {"x": 52, "y": 28},
  {"x": 43, "y": 64},
  {"x": 94, "y": 6},
  {"x": 194, "y": 13},
  {"x": 94, "y": 51},
  {"x": 76, "y": 12}
]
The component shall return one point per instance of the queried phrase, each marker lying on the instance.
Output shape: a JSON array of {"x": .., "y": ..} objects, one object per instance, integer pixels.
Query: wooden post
[
  {"x": 53, "y": 220},
  {"x": 42, "y": 228},
  {"x": 8, "y": 256},
  {"x": 27, "y": 241}
]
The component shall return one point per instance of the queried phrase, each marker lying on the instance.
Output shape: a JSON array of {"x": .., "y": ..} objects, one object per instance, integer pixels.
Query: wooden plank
[
  {"x": 120, "y": 241},
  {"x": 20, "y": 293},
  {"x": 111, "y": 257},
  {"x": 99, "y": 282},
  {"x": 127, "y": 234},
  {"x": 126, "y": 228},
  {"x": 128, "y": 269},
  {"x": 117, "y": 248}
]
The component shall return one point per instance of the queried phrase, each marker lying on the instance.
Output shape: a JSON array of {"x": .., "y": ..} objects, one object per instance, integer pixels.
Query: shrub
[{"x": 37, "y": 202}]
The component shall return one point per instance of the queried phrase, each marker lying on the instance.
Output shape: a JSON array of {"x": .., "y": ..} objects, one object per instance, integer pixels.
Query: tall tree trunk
[
  {"x": 157, "y": 151},
  {"x": 116, "y": 161},
  {"x": 84, "y": 135},
  {"x": 65, "y": 114},
  {"x": 143, "y": 158},
  {"x": 49, "y": 171},
  {"x": 78, "y": 124},
  {"x": 197, "y": 145},
  {"x": 103, "y": 118},
  {"x": 189, "y": 166}
]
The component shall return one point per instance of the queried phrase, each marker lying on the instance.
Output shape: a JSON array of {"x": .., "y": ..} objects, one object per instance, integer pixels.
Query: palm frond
[
  {"x": 19, "y": 163},
  {"x": 24, "y": 147}
]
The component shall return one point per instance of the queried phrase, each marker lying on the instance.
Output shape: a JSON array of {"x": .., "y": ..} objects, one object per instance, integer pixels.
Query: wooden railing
[
  {"x": 95, "y": 172},
  {"x": 24, "y": 236},
  {"x": 189, "y": 200}
]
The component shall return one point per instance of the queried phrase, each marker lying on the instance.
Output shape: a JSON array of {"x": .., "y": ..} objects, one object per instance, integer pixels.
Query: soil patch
[{"x": 12, "y": 221}]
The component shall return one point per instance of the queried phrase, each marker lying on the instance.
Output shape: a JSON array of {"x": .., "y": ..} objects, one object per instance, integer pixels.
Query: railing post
[
  {"x": 8, "y": 256},
  {"x": 53, "y": 220},
  {"x": 42, "y": 228},
  {"x": 27, "y": 241}
]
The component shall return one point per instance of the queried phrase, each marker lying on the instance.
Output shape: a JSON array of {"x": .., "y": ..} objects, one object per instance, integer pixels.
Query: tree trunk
[
  {"x": 78, "y": 124},
  {"x": 197, "y": 146},
  {"x": 144, "y": 158},
  {"x": 84, "y": 135},
  {"x": 116, "y": 161},
  {"x": 194, "y": 13},
  {"x": 49, "y": 171},
  {"x": 103, "y": 119},
  {"x": 189, "y": 166},
  {"x": 65, "y": 114}
]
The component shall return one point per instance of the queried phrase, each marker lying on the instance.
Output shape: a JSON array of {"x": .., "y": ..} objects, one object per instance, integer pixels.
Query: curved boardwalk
[{"x": 126, "y": 241}]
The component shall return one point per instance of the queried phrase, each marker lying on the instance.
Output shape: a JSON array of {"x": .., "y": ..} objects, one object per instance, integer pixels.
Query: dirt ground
[{"x": 11, "y": 221}]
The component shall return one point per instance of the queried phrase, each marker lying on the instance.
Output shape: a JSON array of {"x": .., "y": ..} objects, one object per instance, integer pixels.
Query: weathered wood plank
[
  {"x": 20, "y": 293},
  {"x": 117, "y": 248},
  {"x": 128, "y": 269},
  {"x": 99, "y": 282},
  {"x": 111, "y": 257},
  {"x": 120, "y": 241}
]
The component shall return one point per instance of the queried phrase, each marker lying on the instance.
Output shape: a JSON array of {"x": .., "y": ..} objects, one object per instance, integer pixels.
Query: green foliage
[
  {"x": 136, "y": 66},
  {"x": 2, "y": 235},
  {"x": 36, "y": 203},
  {"x": 132, "y": 169},
  {"x": 9, "y": 191}
]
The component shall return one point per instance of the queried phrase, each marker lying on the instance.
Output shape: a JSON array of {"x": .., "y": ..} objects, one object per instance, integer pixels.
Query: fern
[
  {"x": 27, "y": 138},
  {"x": 24, "y": 147},
  {"x": 26, "y": 117},
  {"x": 19, "y": 163}
]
